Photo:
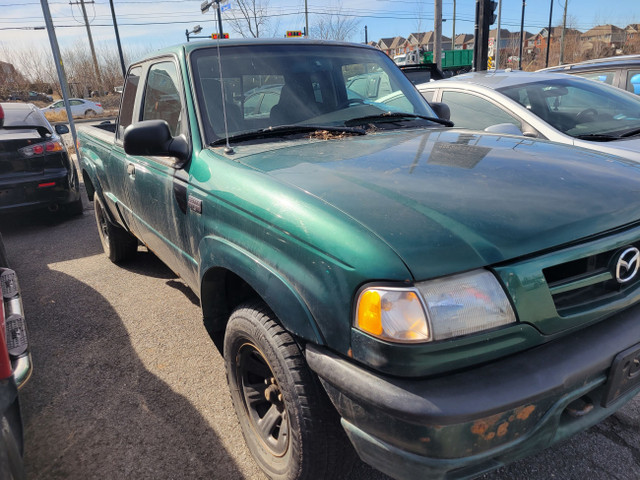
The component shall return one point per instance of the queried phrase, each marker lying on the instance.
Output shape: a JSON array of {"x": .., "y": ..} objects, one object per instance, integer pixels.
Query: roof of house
[
  {"x": 463, "y": 38},
  {"x": 385, "y": 42},
  {"x": 398, "y": 41},
  {"x": 603, "y": 30}
]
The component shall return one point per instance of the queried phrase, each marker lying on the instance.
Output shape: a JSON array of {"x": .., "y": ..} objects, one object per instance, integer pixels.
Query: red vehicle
[{"x": 15, "y": 370}]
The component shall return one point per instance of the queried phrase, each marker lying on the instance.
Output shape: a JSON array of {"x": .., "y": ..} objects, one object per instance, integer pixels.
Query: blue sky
[{"x": 158, "y": 23}]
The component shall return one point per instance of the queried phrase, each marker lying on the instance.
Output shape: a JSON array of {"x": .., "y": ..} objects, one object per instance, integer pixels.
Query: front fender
[{"x": 275, "y": 291}]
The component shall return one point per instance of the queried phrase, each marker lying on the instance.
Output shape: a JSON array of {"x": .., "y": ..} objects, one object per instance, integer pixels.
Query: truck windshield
[{"x": 273, "y": 85}]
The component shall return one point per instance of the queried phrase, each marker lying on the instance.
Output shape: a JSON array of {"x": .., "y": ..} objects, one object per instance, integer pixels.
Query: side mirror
[
  {"x": 61, "y": 129},
  {"x": 441, "y": 110},
  {"x": 505, "y": 129},
  {"x": 153, "y": 138}
]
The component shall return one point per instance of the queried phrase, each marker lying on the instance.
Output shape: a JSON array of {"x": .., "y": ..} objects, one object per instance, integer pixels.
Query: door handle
[{"x": 131, "y": 169}]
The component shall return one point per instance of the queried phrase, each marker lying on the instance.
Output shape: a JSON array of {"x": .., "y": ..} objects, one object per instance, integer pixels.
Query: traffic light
[
  {"x": 215, "y": 36},
  {"x": 294, "y": 33},
  {"x": 491, "y": 11}
]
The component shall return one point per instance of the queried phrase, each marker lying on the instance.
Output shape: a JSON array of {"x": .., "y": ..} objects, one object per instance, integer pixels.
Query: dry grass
[{"x": 56, "y": 116}]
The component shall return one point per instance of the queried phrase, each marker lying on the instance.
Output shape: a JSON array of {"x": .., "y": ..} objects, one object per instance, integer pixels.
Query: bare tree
[
  {"x": 334, "y": 25},
  {"x": 419, "y": 10},
  {"x": 252, "y": 21},
  {"x": 35, "y": 69}
]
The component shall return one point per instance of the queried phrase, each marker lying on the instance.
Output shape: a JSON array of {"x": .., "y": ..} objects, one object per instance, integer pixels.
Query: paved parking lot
[{"x": 127, "y": 383}]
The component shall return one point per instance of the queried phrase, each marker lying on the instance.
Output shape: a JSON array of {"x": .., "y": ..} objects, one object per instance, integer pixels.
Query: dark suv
[
  {"x": 622, "y": 72},
  {"x": 35, "y": 168}
]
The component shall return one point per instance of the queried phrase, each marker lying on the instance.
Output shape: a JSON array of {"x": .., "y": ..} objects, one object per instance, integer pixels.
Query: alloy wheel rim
[{"x": 263, "y": 400}]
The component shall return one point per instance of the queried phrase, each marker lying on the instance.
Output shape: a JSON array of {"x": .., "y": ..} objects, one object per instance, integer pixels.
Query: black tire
[
  {"x": 75, "y": 208},
  {"x": 118, "y": 244},
  {"x": 90, "y": 113},
  {"x": 11, "y": 464},
  {"x": 4, "y": 263},
  {"x": 288, "y": 422}
]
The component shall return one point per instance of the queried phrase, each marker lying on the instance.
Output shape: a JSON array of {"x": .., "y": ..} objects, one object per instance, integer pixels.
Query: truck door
[
  {"x": 115, "y": 184},
  {"x": 157, "y": 186}
]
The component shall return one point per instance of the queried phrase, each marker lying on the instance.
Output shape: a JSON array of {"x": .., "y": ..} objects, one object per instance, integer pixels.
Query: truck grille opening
[{"x": 587, "y": 282}]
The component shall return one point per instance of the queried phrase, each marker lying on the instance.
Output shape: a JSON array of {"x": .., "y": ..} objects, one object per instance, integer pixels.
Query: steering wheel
[{"x": 586, "y": 115}]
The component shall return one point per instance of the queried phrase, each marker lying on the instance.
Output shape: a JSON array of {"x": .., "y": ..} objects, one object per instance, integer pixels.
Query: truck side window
[
  {"x": 162, "y": 97},
  {"x": 128, "y": 97}
]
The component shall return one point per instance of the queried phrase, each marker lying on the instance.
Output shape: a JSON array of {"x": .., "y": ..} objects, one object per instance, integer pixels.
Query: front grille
[{"x": 587, "y": 282}]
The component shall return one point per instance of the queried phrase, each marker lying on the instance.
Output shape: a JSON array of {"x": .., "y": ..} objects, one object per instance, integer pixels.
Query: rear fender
[
  {"x": 91, "y": 163},
  {"x": 274, "y": 290}
]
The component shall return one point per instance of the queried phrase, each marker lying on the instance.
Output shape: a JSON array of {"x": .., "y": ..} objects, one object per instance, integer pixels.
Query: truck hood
[{"x": 450, "y": 201}]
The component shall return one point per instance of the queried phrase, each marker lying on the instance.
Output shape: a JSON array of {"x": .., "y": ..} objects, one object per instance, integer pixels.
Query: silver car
[
  {"x": 554, "y": 106},
  {"x": 79, "y": 107}
]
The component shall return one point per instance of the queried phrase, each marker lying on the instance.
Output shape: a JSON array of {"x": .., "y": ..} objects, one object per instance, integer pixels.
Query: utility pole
[
  {"x": 497, "y": 45},
  {"x": 521, "y": 34},
  {"x": 437, "y": 32},
  {"x": 306, "y": 20},
  {"x": 93, "y": 50},
  {"x": 219, "y": 13},
  {"x": 204, "y": 8},
  {"x": 62, "y": 77},
  {"x": 453, "y": 28},
  {"x": 546, "y": 62},
  {"x": 366, "y": 35},
  {"x": 115, "y": 26},
  {"x": 476, "y": 40},
  {"x": 564, "y": 26}
]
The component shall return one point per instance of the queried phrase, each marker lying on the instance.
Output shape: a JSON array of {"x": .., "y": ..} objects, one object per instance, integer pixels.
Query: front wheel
[
  {"x": 287, "y": 420},
  {"x": 118, "y": 244}
]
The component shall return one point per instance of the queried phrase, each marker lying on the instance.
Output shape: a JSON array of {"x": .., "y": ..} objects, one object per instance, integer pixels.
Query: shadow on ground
[{"x": 92, "y": 409}]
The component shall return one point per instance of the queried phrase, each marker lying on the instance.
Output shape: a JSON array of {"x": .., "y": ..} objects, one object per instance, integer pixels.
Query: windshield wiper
[
  {"x": 281, "y": 130},
  {"x": 597, "y": 137},
  {"x": 393, "y": 116},
  {"x": 630, "y": 133}
]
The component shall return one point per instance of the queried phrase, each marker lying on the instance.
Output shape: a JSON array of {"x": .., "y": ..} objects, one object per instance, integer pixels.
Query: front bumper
[{"x": 463, "y": 424}]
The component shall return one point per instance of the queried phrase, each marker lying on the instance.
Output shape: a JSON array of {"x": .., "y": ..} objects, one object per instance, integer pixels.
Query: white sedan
[
  {"x": 553, "y": 106},
  {"x": 79, "y": 107}
]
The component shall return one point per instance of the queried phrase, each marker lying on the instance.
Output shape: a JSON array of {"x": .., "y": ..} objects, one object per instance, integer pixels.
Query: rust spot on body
[
  {"x": 479, "y": 427},
  {"x": 502, "y": 429},
  {"x": 526, "y": 412}
]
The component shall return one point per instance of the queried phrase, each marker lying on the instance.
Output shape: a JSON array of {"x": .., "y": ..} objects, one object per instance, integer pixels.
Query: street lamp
[
  {"x": 204, "y": 8},
  {"x": 196, "y": 30}
]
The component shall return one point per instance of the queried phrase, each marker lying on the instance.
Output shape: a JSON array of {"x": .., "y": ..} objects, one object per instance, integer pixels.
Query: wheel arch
[
  {"x": 88, "y": 184},
  {"x": 231, "y": 275}
]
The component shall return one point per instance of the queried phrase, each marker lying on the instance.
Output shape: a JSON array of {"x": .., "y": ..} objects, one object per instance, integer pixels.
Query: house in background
[
  {"x": 609, "y": 35},
  {"x": 425, "y": 42},
  {"x": 398, "y": 46},
  {"x": 384, "y": 44},
  {"x": 464, "y": 41},
  {"x": 539, "y": 41},
  {"x": 633, "y": 31}
]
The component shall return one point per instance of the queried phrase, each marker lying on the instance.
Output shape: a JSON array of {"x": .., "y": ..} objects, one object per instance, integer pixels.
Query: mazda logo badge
[{"x": 628, "y": 264}]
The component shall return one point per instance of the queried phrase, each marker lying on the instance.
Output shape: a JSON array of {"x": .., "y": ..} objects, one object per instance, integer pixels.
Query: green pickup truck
[{"x": 443, "y": 300}]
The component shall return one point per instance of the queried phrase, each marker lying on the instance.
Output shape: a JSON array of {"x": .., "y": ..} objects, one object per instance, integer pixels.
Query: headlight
[{"x": 434, "y": 310}]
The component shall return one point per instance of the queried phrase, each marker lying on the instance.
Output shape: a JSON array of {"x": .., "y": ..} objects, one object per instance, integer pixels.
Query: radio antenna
[{"x": 228, "y": 149}]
